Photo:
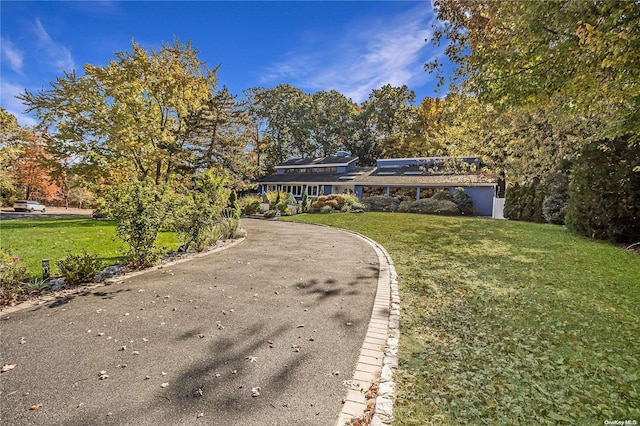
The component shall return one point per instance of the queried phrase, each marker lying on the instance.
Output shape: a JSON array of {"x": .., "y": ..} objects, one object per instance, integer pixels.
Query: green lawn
[
  {"x": 508, "y": 323},
  {"x": 32, "y": 240}
]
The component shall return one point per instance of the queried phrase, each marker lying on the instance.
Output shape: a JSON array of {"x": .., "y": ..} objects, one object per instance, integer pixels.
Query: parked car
[{"x": 28, "y": 206}]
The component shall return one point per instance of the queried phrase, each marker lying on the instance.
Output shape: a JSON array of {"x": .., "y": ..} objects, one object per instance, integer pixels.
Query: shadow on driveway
[{"x": 286, "y": 311}]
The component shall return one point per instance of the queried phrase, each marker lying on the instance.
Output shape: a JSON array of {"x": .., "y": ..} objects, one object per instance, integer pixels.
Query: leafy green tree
[
  {"x": 584, "y": 54},
  {"x": 221, "y": 131},
  {"x": 285, "y": 113},
  {"x": 131, "y": 113},
  {"x": 604, "y": 192},
  {"x": 12, "y": 137},
  {"x": 393, "y": 116},
  {"x": 330, "y": 123},
  {"x": 139, "y": 210}
]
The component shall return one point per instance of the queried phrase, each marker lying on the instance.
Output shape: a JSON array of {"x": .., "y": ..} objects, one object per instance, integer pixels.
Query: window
[{"x": 312, "y": 191}]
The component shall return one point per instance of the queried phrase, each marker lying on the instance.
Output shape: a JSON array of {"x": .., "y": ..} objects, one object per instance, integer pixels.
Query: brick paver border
[{"x": 372, "y": 389}]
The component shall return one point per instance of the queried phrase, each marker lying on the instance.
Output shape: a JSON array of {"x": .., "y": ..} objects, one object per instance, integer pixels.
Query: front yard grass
[
  {"x": 508, "y": 322},
  {"x": 32, "y": 240}
]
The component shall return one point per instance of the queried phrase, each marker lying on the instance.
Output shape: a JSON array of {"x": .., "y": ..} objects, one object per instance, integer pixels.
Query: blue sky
[{"x": 349, "y": 46}]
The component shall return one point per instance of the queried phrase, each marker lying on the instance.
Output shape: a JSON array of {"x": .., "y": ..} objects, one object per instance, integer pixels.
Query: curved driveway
[{"x": 285, "y": 311}]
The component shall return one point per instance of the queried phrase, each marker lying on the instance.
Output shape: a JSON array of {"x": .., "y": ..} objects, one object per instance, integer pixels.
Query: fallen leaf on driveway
[
  {"x": 36, "y": 407},
  {"x": 251, "y": 358},
  {"x": 6, "y": 367},
  {"x": 164, "y": 385},
  {"x": 255, "y": 391}
]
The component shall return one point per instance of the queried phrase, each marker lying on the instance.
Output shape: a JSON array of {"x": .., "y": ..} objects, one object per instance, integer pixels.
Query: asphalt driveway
[{"x": 286, "y": 311}]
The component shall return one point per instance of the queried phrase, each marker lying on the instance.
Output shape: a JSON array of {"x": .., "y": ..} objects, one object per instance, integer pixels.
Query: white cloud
[
  {"x": 12, "y": 55},
  {"x": 364, "y": 58},
  {"x": 57, "y": 54},
  {"x": 13, "y": 105}
]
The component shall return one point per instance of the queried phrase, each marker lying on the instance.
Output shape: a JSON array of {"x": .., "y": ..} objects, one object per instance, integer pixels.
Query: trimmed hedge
[
  {"x": 380, "y": 203},
  {"x": 431, "y": 206},
  {"x": 434, "y": 205}
]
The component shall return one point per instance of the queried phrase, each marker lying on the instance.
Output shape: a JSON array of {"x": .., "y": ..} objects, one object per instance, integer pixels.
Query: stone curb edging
[
  {"x": 371, "y": 396},
  {"x": 113, "y": 280},
  {"x": 387, "y": 305}
]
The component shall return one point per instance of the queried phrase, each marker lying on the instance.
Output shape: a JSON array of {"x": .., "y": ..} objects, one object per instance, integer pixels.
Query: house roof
[
  {"x": 370, "y": 176},
  {"x": 317, "y": 178},
  {"x": 432, "y": 172},
  {"x": 341, "y": 160},
  {"x": 424, "y": 180}
]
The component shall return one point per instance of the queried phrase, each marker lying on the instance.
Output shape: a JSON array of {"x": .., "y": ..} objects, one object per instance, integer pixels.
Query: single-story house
[{"x": 410, "y": 177}]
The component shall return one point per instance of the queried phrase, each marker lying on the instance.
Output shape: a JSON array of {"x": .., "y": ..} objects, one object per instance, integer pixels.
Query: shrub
[
  {"x": 12, "y": 276},
  {"x": 233, "y": 200},
  {"x": 326, "y": 209},
  {"x": 202, "y": 209},
  {"x": 319, "y": 202},
  {"x": 138, "y": 210},
  {"x": 381, "y": 203},
  {"x": 334, "y": 204},
  {"x": 37, "y": 286},
  {"x": 249, "y": 205},
  {"x": 274, "y": 197},
  {"x": 464, "y": 203},
  {"x": 101, "y": 211},
  {"x": 443, "y": 194},
  {"x": 304, "y": 203},
  {"x": 604, "y": 192},
  {"x": 270, "y": 214},
  {"x": 283, "y": 207},
  {"x": 336, "y": 201},
  {"x": 360, "y": 207},
  {"x": 228, "y": 225},
  {"x": 79, "y": 268},
  {"x": 350, "y": 199},
  {"x": 404, "y": 206},
  {"x": 431, "y": 206}
]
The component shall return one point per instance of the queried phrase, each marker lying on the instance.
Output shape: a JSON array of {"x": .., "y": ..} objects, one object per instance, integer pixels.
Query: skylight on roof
[
  {"x": 346, "y": 177},
  {"x": 386, "y": 173},
  {"x": 414, "y": 172}
]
